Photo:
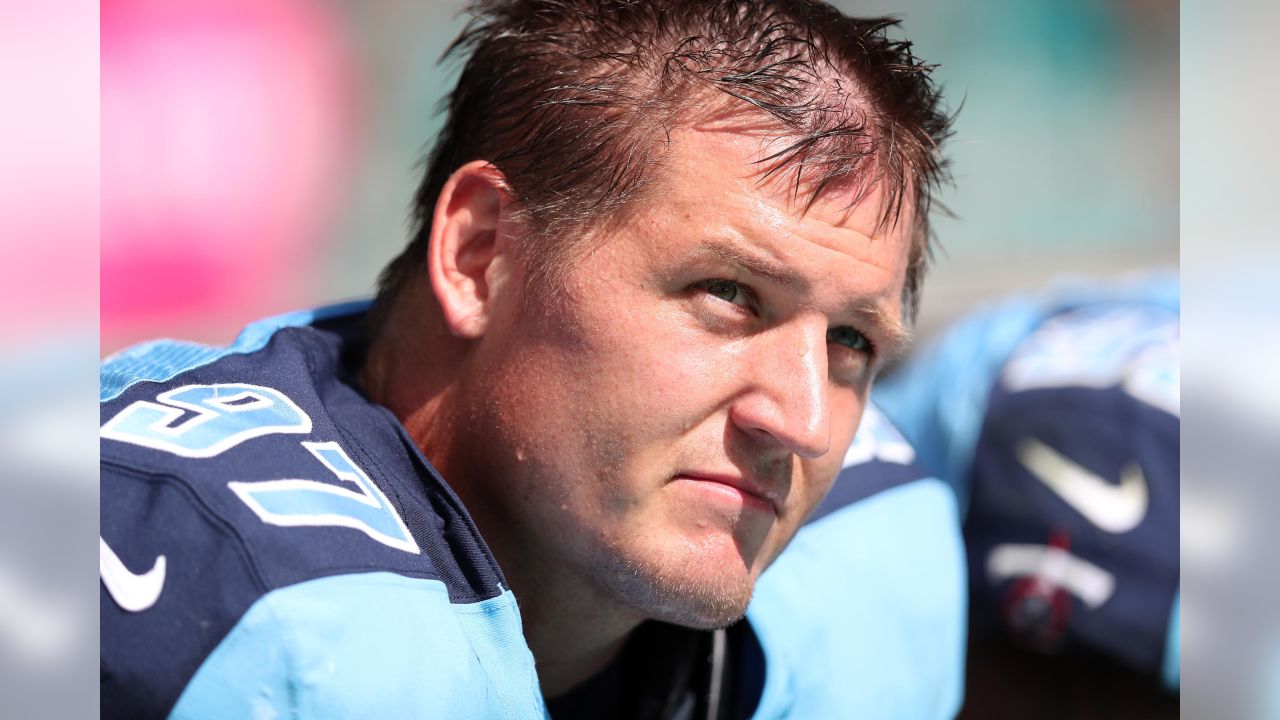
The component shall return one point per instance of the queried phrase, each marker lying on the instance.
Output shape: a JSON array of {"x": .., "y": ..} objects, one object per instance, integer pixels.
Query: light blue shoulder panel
[
  {"x": 160, "y": 360},
  {"x": 375, "y": 645},
  {"x": 863, "y": 615}
]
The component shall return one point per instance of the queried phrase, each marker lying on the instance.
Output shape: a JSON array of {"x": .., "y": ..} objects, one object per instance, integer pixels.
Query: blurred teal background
[{"x": 1065, "y": 153}]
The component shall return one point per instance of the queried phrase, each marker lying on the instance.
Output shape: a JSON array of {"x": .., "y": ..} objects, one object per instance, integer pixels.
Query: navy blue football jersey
[
  {"x": 1055, "y": 419},
  {"x": 274, "y": 545}
]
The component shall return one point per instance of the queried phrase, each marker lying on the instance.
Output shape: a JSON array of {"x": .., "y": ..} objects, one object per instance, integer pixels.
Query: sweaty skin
[{"x": 644, "y": 440}]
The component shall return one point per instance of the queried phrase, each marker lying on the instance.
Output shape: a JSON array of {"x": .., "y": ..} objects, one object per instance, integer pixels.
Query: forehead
[
  {"x": 733, "y": 165},
  {"x": 714, "y": 184}
]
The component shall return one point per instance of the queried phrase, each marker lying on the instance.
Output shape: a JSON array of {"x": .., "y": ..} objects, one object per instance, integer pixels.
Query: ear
[{"x": 466, "y": 257}]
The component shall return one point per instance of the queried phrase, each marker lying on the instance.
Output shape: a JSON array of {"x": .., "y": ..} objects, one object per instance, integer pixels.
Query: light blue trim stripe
[
  {"x": 161, "y": 360},
  {"x": 370, "y": 645},
  {"x": 1171, "y": 673}
]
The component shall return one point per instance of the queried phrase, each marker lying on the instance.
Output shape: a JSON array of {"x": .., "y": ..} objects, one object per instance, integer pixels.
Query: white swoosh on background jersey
[
  {"x": 131, "y": 591},
  {"x": 1114, "y": 508}
]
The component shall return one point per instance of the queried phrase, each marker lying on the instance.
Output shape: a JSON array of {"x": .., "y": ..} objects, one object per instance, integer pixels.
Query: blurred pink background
[{"x": 227, "y": 134}]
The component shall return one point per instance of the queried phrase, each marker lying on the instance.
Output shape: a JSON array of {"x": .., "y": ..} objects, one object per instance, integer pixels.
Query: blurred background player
[{"x": 1055, "y": 420}]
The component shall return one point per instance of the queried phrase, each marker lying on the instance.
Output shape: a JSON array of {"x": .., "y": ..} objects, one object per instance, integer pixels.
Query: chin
[{"x": 685, "y": 587}]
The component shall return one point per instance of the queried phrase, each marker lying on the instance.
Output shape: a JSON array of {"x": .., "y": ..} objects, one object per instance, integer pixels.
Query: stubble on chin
[{"x": 680, "y": 587}]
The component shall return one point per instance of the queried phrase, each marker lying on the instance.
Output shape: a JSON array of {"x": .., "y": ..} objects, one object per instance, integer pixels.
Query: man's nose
[{"x": 787, "y": 399}]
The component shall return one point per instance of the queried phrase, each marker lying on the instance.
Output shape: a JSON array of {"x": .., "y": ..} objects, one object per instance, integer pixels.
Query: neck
[
  {"x": 412, "y": 369},
  {"x": 570, "y": 647},
  {"x": 415, "y": 368},
  {"x": 573, "y": 630}
]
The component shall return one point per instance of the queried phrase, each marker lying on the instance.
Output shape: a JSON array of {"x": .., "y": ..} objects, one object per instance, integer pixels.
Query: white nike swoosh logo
[
  {"x": 1078, "y": 576},
  {"x": 131, "y": 591},
  {"x": 1114, "y": 508}
]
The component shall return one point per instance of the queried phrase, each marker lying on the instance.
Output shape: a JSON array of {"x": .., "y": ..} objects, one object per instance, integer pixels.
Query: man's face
[{"x": 660, "y": 427}]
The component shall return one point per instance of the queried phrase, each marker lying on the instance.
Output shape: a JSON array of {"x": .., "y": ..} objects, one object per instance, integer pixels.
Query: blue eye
[
  {"x": 850, "y": 338},
  {"x": 729, "y": 291}
]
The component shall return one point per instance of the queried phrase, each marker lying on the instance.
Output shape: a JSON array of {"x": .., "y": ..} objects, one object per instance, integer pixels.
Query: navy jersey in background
[{"x": 1055, "y": 420}]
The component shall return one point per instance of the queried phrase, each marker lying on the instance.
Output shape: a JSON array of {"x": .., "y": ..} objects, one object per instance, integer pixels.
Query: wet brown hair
[{"x": 573, "y": 100}]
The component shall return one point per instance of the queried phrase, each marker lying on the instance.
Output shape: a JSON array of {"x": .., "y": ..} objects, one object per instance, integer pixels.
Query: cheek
[
  {"x": 658, "y": 374},
  {"x": 602, "y": 397},
  {"x": 680, "y": 383}
]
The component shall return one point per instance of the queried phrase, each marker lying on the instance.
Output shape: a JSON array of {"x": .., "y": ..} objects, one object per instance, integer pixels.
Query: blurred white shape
[
  {"x": 1244, "y": 380},
  {"x": 1082, "y": 578},
  {"x": 878, "y": 439},
  {"x": 263, "y": 709},
  {"x": 1136, "y": 348},
  {"x": 37, "y": 626},
  {"x": 1211, "y": 527},
  {"x": 43, "y": 439}
]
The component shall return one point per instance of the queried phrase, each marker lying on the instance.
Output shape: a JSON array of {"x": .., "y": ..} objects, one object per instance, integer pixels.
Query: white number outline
[
  {"x": 171, "y": 408},
  {"x": 369, "y": 495}
]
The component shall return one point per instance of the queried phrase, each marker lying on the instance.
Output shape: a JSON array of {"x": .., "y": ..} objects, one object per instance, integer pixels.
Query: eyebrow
[
  {"x": 895, "y": 334},
  {"x": 732, "y": 255}
]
